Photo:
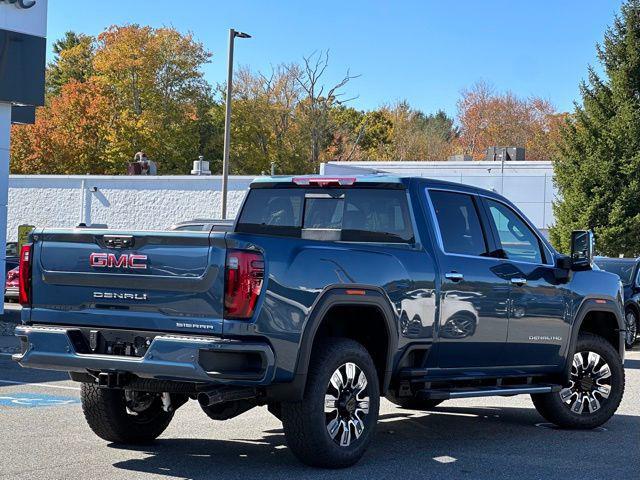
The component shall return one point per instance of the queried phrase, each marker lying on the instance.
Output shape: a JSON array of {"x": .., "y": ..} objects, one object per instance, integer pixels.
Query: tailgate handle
[{"x": 118, "y": 241}]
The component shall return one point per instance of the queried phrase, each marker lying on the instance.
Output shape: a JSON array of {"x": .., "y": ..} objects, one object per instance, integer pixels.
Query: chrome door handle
[
  {"x": 519, "y": 281},
  {"x": 454, "y": 276}
]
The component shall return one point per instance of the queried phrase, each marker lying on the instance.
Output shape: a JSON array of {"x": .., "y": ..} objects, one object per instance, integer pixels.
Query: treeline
[{"x": 137, "y": 88}]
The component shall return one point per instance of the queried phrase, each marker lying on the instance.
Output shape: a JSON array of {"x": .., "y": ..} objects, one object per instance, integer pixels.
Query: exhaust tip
[{"x": 203, "y": 399}]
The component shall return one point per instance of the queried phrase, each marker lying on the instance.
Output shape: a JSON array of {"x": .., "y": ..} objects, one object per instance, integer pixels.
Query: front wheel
[
  {"x": 595, "y": 388},
  {"x": 124, "y": 416},
  {"x": 334, "y": 423},
  {"x": 631, "y": 325}
]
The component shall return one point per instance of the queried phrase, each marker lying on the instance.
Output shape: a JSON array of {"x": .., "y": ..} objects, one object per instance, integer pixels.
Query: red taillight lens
[
  {"x": 24, "y": 276},
  {"x": 243, "y": 282}
]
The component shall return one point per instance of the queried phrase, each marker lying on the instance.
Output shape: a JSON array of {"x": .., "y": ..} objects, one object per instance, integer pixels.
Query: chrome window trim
[{"x": 434, "y": 219}]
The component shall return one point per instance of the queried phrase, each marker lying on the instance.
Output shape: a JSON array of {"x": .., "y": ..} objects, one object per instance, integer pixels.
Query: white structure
[
  {"x": 154, "y": 203},
  {"x": 123, "y": 202},
  {"x": 23, "y": 28},
  {"x": 528, "y": 184}
]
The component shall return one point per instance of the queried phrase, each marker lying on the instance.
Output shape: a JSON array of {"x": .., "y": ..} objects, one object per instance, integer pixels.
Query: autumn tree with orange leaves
[
  {"x": 145, "y": 92},
  {"x": 487, "y": 119}
]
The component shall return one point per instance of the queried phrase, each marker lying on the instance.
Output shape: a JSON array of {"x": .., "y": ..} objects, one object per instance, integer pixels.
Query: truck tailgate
[{"x": 168, "y": 281}]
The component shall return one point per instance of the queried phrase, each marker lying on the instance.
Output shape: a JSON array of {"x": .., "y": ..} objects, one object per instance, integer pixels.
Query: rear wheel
[
  {"x": 124, "y": 416},
  {"x": 334, "y": 423},
  {"x": 631, "y": 321},
  {"x": 595, "y": 388}
]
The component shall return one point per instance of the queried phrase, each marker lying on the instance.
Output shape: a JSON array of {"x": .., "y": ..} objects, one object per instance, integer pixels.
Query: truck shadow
[
  {"x": 451, "y": 441},
  {"x": 12, "y": 372}
]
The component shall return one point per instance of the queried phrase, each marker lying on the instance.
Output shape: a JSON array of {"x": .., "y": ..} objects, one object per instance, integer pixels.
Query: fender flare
[
  {"x": 338, "y": 296},
  {"x": 589, "y": 305}
]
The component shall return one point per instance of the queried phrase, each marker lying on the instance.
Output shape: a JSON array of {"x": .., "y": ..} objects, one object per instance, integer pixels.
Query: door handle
[
  {"x": 519, "y": 281},
  {"x": 454, "y": 276}
]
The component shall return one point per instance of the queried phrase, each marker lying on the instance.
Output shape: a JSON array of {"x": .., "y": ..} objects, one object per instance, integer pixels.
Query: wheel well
[
  {"x": 363, "y": 323},
  {"x": 603, "y": 324}
]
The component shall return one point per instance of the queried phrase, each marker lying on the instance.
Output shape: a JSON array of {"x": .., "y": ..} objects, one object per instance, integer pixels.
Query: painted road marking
[
  {"x": 32, "y": 400},
  {"x": 43, "y": 385}
]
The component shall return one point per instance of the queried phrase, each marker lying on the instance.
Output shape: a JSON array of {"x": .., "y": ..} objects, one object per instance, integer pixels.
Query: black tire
[
  {"x": 106, "y": 413},
  {"x": 413, "y": 403},
  {"x": 558, "y": 411},
  {"x": 306, "y": 423},
  {"x": 632, "y": 323}
]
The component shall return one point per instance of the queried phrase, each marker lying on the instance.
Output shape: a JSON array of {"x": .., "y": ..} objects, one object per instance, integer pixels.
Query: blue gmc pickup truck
[{"x": 327, "y": 294}]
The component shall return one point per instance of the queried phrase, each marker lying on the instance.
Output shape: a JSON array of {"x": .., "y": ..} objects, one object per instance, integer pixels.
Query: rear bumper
[{"x": 169, "y": 357}]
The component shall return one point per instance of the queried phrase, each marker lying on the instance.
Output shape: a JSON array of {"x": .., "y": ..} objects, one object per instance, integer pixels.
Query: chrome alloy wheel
[
  {"x": 346, "y": 404},
  {"x": 590, "y": 383},
  {"x": 631, "y": 327}
]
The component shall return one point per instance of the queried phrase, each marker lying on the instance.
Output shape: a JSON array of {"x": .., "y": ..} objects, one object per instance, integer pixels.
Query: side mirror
[
  {"x": 582, "y": 248},
  {"x": 563, "y": 267},
  {"x": 563, "y": 262}
]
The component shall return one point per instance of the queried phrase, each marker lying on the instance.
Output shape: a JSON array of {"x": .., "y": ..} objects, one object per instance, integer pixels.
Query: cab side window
[
  {"x": 518, "y": 242},
  {"x": 459, "y": 223}
]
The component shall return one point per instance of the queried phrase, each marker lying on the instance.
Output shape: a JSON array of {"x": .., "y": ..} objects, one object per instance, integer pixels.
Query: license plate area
[{"x": 122, "y": 343}]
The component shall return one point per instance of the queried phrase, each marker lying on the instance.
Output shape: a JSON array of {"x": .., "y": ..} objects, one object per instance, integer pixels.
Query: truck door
[
  {"x": 539, "y": 307},
  {"x": 473, "y": 318}
]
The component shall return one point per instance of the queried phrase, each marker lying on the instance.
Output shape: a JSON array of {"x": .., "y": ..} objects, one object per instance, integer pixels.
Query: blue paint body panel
[{"x": 484, "y": 325}]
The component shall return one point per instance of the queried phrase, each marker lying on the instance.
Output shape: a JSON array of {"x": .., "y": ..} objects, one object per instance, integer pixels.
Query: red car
[{"x": 11, "y": 285}]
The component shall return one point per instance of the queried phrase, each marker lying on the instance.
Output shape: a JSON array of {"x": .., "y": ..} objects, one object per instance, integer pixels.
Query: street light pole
[{"x": 227, "y": 120}]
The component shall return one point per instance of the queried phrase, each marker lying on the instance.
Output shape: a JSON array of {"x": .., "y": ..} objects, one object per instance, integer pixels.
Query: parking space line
[{"x": 44, "y": 385}]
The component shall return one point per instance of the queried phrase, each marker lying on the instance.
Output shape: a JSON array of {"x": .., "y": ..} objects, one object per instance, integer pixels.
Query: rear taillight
[
  {"x": 243, "y": 282},
  {"x": 24, "y": 276}
]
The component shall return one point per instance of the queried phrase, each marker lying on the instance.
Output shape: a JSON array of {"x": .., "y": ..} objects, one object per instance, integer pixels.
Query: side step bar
[{"x": 503, "y": 391}]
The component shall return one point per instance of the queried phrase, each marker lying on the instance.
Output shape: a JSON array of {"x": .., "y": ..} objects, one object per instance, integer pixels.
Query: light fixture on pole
[{"x": 227, "y": 120}]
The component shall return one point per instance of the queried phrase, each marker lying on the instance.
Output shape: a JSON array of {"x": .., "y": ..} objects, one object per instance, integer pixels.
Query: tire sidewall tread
[
  {"x": 304, "y": 421},
  {"x": 553, "y": 409}
]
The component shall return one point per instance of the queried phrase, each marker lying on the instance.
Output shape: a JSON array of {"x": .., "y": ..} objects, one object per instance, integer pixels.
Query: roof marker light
[{"x": 324, "y": 181}]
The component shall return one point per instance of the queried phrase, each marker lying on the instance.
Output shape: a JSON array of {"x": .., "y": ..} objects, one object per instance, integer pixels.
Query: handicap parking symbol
[{"x": 32, "y": 400}]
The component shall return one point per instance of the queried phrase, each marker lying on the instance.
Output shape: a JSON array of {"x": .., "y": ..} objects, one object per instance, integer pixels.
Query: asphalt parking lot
[{"x": 43, "y": 436}]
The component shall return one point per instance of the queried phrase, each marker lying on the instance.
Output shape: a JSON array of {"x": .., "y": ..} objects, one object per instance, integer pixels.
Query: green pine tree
[{"x": 597, "y": 170}]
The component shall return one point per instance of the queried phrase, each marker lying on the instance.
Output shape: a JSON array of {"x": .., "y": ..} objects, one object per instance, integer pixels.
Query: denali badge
[
  {"x": 120, "y": 296},
  {"x": 111, "y": 260},
  {"x": 545, "y": 338}
]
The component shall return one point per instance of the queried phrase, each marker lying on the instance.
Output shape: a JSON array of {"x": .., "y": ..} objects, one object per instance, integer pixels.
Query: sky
[{"x": 425, "y": 52}]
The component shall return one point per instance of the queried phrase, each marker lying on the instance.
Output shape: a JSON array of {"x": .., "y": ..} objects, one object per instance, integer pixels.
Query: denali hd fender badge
[
  {"x": 120, "y": 296},
  {"x": 111, "y": 260},
  {"x": 545, "y": 338}
]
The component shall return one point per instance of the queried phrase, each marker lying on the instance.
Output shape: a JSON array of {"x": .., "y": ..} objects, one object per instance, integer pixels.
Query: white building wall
[
  {"x": 121, "y": 202},
  {"x": 155, "y": 203},
  {"x": 527, "y": 184}
]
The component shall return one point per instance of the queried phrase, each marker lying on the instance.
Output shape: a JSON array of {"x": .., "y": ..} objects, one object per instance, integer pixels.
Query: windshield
[{"x": 624, "y": 269}]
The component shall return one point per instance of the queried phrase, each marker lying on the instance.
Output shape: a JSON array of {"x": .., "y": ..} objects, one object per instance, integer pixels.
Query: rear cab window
[
  {"x": 356, "y": 214},
  {"x": 459, "y": 223}
]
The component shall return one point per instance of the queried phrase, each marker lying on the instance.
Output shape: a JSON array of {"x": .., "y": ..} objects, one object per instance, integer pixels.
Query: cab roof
[
  {"x": 369, "y": 180},
  {"x": 282, "y": 180}
]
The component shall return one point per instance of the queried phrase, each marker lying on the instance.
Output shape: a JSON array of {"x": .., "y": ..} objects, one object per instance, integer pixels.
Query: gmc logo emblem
[{"x": 111, "y": 260}]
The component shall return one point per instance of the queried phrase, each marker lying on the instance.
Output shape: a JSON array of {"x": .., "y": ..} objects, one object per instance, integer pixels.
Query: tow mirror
[
  {"x": 582, "y": 247},
  {"x": 563, "y": 262}
]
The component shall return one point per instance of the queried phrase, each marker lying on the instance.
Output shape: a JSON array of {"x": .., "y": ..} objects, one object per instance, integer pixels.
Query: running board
[{"x": 503, "y": 391}]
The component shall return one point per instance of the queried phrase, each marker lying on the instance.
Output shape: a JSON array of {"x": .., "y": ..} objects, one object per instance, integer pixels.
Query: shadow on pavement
[
  {"x": 455, "y": 442},
  {"x": 11, "y": 371}
]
